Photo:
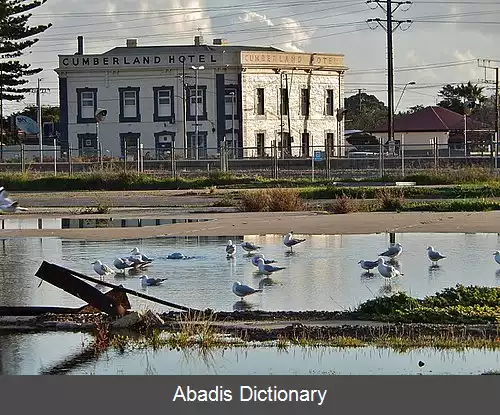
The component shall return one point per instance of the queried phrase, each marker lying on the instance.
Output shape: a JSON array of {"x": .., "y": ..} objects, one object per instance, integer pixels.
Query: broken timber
[{"x": 60, "y": 277}]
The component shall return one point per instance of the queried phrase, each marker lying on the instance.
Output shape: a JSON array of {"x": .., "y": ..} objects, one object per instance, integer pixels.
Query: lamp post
[
  {"x": 196, "y": 126},
  {"x": 402, "y": 92},
  {"x": 232, "y": 121},
  {"x": 100, "y": 115}
]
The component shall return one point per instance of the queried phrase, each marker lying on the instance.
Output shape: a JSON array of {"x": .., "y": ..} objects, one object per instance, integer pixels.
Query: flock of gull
[{"x": 7, "y": 204}]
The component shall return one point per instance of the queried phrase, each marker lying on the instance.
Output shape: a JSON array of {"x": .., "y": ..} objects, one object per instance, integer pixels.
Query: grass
[
  {"x": 109, "y": 179},
  {"x": 457, "y": 305},
  {"x": 272, "y": 200}
]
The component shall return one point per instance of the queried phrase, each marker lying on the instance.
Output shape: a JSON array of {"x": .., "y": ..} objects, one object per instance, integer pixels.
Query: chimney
[
  {"x": 131, "y": 43},
  {"x": 80, "y": 45},
  {"x": 219, "y": 42},
  {"x": 198, "y": 40}
]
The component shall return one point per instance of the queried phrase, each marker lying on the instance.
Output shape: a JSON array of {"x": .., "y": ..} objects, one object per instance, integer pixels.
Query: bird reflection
[
  {"x": 291, "y": 253},
  {"x": 100, "y": 287},
  {"x": 388, "y": 288},
  {"x": 266, "y": 282},
  {"x": 497, "y": 273},
  {"x": 368, "y": 275},
  {"x": 136, "y": 271},
  {"x": 242, "y": 305}
]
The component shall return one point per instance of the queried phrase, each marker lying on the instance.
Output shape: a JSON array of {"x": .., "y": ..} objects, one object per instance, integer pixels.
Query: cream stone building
[{"x": 253, "y": 98}]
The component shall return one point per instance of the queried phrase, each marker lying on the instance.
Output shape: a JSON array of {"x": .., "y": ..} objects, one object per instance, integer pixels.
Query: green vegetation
[
  {"x": 271, "y": 200},
  {"x": 458, "y": 305}
]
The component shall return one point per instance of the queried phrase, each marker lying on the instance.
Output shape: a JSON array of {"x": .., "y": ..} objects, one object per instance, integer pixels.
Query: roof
[
  {"x": 432, "y": 119},
  {"x": 195, "y": 48}
]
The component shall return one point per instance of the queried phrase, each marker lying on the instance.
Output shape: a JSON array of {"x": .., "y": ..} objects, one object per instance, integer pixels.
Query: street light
[
  {"x": 100, "y": 115},
  {"x": 233, "y": 146},
  {"x": 196, "y": 126},
  {"x": 402, "y": 92}
]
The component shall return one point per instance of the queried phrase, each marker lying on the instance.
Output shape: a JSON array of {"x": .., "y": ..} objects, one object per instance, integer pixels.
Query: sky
[{"x": 440, "y": 45}]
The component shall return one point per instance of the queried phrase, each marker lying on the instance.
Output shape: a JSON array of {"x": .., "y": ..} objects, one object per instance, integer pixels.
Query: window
[
  {"x": 195, "y": 103},
  {"x": 260, "y": 137},
  {"x": 195, "y": 151},
  {"x": 305, "y": 144},
  {"x": 285, "y": 145},
  {"x": 260, "y": 101},
  {"x": 129, "y": 144},
  {"x": 329, "y": 102},
  {"x": 87, "y": 105},
  {"x": 163, "y": 104},
  {"x": 164, "y": 144},
  {"x": 283, "y": 101},
  {"x": 330, "y": 143},
  {"x": 87, "y": 145},
  {"x": 230, "y": 102},
  {"x": 304, "y": 102},
  {"x": 129, "y": 104}
]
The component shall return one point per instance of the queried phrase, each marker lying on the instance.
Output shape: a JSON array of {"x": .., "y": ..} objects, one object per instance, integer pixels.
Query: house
[
  {"x": 433, "y": 127},
  {"x": 191, "y": 98}
]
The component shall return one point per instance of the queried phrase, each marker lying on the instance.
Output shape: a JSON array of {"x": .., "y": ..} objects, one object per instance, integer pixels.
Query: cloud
[{"x": 250, "y": 17}]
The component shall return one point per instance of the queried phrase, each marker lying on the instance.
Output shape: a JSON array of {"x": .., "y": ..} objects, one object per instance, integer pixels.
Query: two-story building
[{"x": 192, "y": 97}]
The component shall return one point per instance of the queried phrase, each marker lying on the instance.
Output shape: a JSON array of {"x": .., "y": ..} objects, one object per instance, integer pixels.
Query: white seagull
[
  {"x": 122, "y": 264},
  {"x": 7, "y": 204},
  {"x": 230, "y": 249},
  {"x": 434, "y": 256},
  {"x": 290, "y": 241},
  {"x": 266, "y": 261},
  {"x": 148, "y": 282},
  {"x": 102, "y": 269},
  {"x": 242, "y": 290},
  {"x": 249, "y": 247},
  {"x": 368, "y": 265},
  {"x": 497, "y": 256},
  {"x": 136, "y": 252},
  {"x": 387, "y": 271},
  {"x": 393, "y": 251},
  {"x": 267, "y": 269}
]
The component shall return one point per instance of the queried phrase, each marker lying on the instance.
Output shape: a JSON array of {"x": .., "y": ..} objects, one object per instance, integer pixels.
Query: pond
[
  {"x": 57, "y": 353},
  {"x": 72, "y": 223},
  {"x": 321, "y": 274}
]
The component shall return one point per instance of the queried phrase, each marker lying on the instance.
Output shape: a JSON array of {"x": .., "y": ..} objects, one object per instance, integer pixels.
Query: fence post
[
  {"x": 173, "y": 164},
  {"x": 23, "y": 165},
  {"x": 70, "y": 161}
]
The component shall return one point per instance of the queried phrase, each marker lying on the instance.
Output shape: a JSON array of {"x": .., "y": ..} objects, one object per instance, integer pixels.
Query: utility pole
[
  {"x": 487, "y": 63},
  {"x": 390, "y": 25},
  {"x": 39, "y": 91},
  {"x": 197, "y": 126}
]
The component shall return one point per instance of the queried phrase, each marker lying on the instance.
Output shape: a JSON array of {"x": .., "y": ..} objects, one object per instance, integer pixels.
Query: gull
[
  {"x": 143, "y": 257},
  {"x": 368, "y": 265},
  {"x": 148, "y": 282},
  {"x": 267, "y": 269},
  {"x": 102, "y": 269},
  {"x": 7, "y": 204},
  {"x": 242, "y": 290},
  {"x": 230, "y": 249},
  {"x": 434, "y": 256},
  {"x": 290, "y": 241},
  {"x": 138, "y": 261},
  {"x": 387, "y": 271},
  {"x": 393, "y": 251},
  {"x": 122, "y": 264},
  {"x": 497, "y": 256},
  {"x": 249, "y": 247},
  {"x": 266, "y": 261}
]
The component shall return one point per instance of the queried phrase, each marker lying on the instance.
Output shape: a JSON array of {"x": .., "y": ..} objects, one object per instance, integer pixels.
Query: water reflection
[
  {"x": 242, "y": 305},
  {"x": 79, "y": 223},
  {"x": 74, "y": 353}
]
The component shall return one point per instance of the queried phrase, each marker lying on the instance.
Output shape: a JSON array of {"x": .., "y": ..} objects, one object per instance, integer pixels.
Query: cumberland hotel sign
[{"x": 138, "y": 61}]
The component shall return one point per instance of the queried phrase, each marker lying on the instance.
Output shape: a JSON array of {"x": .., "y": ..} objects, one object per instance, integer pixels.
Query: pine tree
[{"x": 15, "y": 37}]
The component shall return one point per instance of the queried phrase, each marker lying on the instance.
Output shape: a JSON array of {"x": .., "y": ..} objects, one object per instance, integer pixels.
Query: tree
[
  {"x": 364, "y": 112},
  {"x": 49, "y": 113},
  {"x": 15, "y": 37},
  {"x": 455, "y": 97}
]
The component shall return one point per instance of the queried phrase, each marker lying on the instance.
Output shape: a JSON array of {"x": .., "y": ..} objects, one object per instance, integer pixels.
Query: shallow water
[
  {"x": 56, "y": 353},
  {"x": 71, "y": 223},
  {"x": 322, "y": 274}
]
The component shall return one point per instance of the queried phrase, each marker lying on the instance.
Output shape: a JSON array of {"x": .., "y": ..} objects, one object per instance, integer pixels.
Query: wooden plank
[{"x": 63, "y": 279}]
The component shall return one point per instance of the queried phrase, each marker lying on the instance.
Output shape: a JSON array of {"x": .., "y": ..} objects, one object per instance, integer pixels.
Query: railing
[{"x": 268, "y": 162}]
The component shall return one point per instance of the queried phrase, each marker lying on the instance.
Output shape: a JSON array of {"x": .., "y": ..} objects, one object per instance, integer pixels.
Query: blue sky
[{"x": 440, "y": 46}]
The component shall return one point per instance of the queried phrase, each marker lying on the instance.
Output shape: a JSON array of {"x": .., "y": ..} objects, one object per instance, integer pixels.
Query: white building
[{"x": 238, "y": 89}]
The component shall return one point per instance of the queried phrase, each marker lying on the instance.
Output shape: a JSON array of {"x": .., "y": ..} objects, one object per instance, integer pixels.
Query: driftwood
[{"x": 73, "y": 274}]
